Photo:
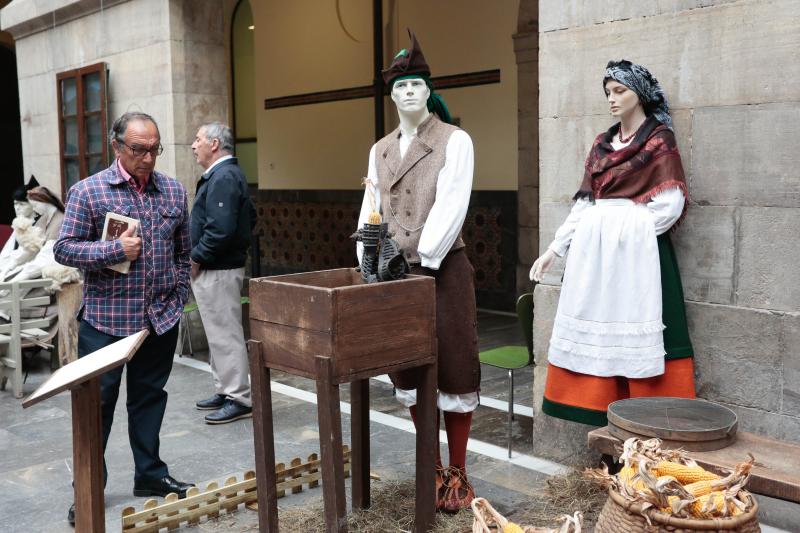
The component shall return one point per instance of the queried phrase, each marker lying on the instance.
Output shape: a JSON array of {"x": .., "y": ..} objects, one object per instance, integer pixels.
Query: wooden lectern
[
  {"x": 332, "y": 327},
  {"x": 81, "y": 378}
]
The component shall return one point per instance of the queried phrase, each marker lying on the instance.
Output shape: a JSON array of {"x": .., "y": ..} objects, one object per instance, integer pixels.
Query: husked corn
[
  {"x": 684, "y": 474},
  {"x": 710, "y": 505},
  {"x": 511, "y": 527},
  {"x": 700, "y": 488},
  {"x": 625, "y": 475}
]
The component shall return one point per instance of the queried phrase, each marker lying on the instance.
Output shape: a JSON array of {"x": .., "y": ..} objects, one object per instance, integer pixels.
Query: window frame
[{"x": 81, "y": 115}]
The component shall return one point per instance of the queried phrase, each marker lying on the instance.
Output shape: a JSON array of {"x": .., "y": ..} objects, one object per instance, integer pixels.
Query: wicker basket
[{"x": 622, "y": 516}]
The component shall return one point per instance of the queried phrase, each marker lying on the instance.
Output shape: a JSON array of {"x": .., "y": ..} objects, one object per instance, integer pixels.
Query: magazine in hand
[{"x": 115, "y": 226}]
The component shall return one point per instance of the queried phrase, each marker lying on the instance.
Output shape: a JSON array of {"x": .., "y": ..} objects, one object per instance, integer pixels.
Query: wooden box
[{"x": 362, "y": 327}]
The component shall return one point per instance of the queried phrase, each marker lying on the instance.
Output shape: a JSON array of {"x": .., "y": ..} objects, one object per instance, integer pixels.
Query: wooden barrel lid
[{"x": 674, "y": 419}]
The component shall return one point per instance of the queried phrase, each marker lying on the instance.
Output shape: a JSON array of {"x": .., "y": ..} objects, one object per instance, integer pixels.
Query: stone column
[
  {"x": 526, "y": 47},
  {"x": 200, "y": 74}
]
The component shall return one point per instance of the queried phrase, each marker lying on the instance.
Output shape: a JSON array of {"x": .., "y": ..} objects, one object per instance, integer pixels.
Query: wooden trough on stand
[{"x": 332, "y": 327}]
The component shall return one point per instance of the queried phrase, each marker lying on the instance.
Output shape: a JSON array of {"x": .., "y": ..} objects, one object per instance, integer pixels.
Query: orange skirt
[{"x": 583, "y": 398}]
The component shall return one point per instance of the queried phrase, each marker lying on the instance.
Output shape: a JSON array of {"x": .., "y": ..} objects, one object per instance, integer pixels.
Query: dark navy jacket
[{"x": 223, "y": 218}]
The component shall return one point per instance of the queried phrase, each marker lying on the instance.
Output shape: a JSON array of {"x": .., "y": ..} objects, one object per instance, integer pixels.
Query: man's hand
[
  {"x": 195, "y": 269},
  {"x": 132, "y": 245}
]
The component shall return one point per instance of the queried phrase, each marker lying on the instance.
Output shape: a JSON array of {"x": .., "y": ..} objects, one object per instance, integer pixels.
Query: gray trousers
[{"x": 218, "y": 296}]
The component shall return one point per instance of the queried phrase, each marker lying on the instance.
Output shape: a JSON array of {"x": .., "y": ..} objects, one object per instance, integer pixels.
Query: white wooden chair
[{"x": 21, "y": 332}]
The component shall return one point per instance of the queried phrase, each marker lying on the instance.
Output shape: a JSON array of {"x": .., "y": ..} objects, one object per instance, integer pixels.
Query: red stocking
[
  {"x": 457, "y": 426},
  {"x": 413, "y": 411}
]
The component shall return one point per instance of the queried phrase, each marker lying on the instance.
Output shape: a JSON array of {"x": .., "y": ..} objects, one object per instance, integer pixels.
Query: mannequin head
[
  {"x": 21, "y": 206},
  {"x": 622, "y": 101},
  {"x": 41, "y": 208},
  {"x": 412, "y": 91},
  {"x": 624, "y": 82},
  {"x": 23, "y": 209},
  {"x": 411, "y": 95},
  {"x": 43, "y": 201}
]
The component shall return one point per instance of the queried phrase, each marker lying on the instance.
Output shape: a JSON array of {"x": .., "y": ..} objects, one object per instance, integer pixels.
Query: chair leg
[
  {"x": 184, "y": 333},
  {"x": 511, "y": 394},
  {"x": 510, "y": 407},
  {"x": 189, "y": 335}
]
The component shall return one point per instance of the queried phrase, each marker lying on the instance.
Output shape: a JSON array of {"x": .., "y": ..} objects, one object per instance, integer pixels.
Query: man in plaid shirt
[{"x": 150, "y": 296}]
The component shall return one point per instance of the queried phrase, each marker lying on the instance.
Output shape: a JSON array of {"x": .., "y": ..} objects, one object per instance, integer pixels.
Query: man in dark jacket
[{"x": 223, "y": 217}]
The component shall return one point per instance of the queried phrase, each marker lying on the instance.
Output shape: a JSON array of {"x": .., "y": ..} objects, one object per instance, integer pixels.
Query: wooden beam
[{"x": 455, "y": 81}]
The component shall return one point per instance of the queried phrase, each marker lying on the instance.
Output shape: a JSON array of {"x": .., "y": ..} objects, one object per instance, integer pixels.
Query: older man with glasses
[{"x": 149, "y": 296}]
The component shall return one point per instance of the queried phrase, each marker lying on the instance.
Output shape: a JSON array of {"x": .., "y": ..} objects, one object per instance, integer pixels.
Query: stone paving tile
[{"x": 36, "y": 458}]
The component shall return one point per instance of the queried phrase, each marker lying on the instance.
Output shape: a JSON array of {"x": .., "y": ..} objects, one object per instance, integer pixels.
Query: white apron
[{"x": 608, "y": 321}]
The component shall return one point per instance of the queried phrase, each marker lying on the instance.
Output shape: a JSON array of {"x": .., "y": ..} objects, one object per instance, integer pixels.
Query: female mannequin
[{"x": 620, "y": 329}]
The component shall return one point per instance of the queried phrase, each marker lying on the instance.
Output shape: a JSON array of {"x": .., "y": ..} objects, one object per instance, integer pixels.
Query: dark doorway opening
[{"x": 10, "y": 134}]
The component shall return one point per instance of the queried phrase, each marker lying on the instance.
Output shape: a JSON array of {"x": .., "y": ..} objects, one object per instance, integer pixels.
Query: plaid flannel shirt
[{"x": 156, "y": 287}]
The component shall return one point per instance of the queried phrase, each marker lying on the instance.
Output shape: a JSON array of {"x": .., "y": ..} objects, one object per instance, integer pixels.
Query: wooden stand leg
[
  {"x": 426, "y": 450},
  {"x": 330, "y": 441},
  {"x": 359, "y": 442},
  {"x": 87, "y": 454},
  {"x": 263, "y": 437}
]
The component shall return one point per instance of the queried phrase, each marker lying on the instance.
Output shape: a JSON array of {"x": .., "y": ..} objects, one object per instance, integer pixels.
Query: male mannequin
[
  {"x": 49, "y": 213},
  {"x": 421, "y": 177},
  {"x": 13, "y": 255}
]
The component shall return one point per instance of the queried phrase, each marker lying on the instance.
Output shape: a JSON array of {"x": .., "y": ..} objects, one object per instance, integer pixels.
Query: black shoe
[
  {"x": 71, "y": 515},
  {"x": 230, "y": 411},
  {"x": 160, "y": 487},
  {"x": 213, "y": 403}
]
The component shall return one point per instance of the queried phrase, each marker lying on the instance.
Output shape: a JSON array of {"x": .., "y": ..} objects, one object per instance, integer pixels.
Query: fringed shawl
[{"x": 649, "y": 165}]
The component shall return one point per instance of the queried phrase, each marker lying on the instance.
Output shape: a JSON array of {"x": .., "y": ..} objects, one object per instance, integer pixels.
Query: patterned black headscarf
[{"x": 638, "y": 79}]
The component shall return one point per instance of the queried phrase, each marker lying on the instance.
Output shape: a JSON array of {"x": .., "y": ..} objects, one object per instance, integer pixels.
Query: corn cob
[
  {"x": 684, "y": 474},
  {"x": 701, "y": 488},
  {"x": 710, "y": 505},
  {"x": 511, "y": 527},
  {"x": 374, "y": 218},
  {"x": 626, "y": 476}
]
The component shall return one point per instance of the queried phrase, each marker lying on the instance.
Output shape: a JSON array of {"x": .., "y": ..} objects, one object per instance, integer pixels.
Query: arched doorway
[
  {"x": 243, "y": 88},
  {"x": 10, "y": 132}
]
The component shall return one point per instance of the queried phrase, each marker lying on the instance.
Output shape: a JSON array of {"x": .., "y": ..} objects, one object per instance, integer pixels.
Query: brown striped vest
[{"x": 408, "y": 185}]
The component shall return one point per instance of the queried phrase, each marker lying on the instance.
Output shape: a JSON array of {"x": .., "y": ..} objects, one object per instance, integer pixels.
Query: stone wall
[
  {"x": 160, "y": 54},
  {"x": 729, "y": 69}
]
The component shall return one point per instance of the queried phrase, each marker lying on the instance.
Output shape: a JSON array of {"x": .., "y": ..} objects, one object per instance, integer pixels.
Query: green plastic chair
[{"x": 513, "y": 358}]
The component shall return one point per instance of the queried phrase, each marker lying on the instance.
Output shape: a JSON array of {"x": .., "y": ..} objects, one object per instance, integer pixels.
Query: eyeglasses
[{"x": 154, "y": 151}]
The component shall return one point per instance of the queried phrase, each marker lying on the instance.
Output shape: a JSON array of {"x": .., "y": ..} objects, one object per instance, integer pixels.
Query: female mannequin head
[
  {"x": 623, "y": 81},
  {"x": 622, "y": 101},
  {"x": 43, "y": 201}
]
